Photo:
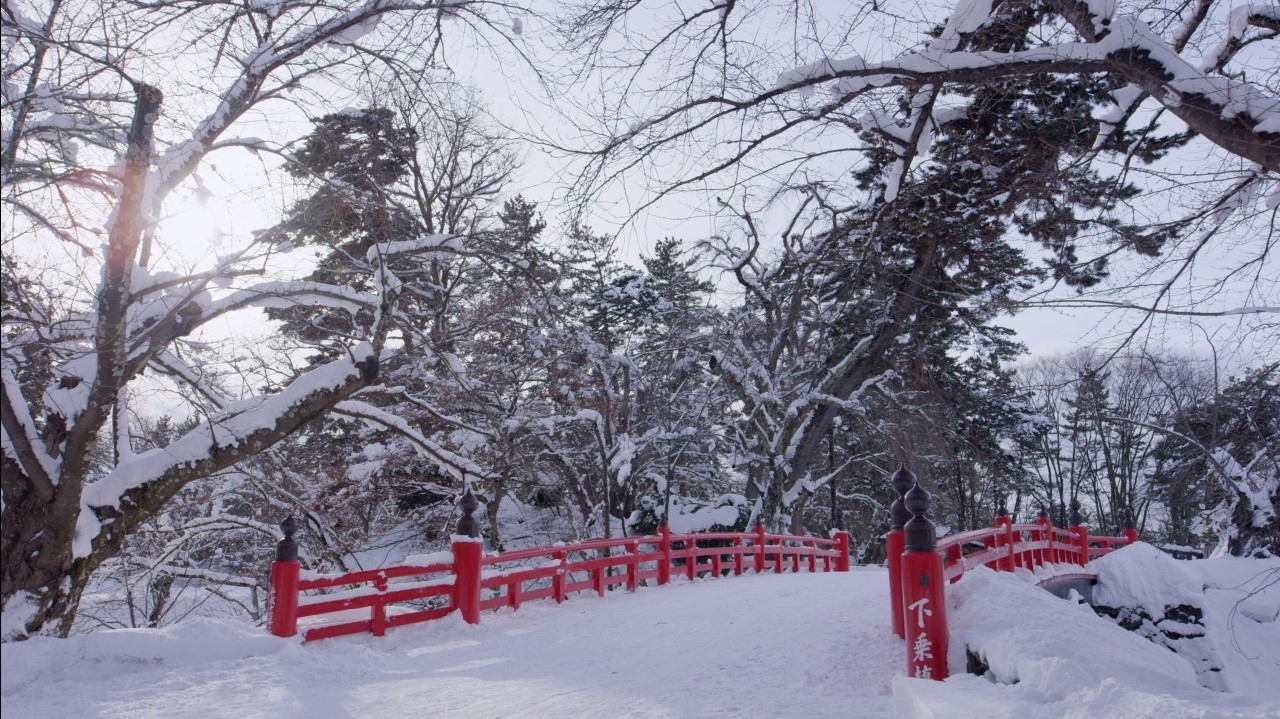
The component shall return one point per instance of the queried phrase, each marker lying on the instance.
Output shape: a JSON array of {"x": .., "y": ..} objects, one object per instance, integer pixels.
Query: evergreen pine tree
[{"x": 1219, "y": 467}]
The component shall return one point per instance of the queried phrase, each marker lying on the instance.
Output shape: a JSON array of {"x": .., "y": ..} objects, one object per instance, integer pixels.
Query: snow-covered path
[
  {"x": 806, "y": 646},
  {"x": 751, "y": 646}
]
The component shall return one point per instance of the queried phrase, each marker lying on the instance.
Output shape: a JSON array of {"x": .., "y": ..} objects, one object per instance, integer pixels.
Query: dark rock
[{"x": 1180, "y": 630}]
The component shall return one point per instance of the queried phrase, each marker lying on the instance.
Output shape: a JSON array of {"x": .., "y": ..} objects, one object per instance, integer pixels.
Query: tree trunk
[{"x": 37, "y": 581}]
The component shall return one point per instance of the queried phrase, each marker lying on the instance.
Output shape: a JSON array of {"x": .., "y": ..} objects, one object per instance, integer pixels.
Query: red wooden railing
[
  {"x": 920, "y": 565},
  {"x": 469, "y": 581}
]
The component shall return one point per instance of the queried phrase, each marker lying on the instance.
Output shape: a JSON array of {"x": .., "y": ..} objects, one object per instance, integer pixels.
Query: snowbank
[
  {"x": 108, "y": 655},
  {"x": 1153, "y": 595},
  {"x": 1217, "y": 613},
  {"x": 1050, "y": 647},
  {"x": 1242, "y": 620},
  {"x": 1050, "y": 658},
  {"x": 1144, "y": 576}
]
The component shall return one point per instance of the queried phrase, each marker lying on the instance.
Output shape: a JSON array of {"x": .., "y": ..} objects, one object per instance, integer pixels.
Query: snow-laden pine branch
[{"x": 457, "y": 465}]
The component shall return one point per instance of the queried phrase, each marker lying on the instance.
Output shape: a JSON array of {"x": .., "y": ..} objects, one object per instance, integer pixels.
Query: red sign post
[
  {"x": 924, "y": 600},
  {"x": 282, "y": 601}
]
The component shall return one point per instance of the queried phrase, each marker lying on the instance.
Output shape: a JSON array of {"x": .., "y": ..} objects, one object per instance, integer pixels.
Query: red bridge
[{"x": 456, "y": 581}]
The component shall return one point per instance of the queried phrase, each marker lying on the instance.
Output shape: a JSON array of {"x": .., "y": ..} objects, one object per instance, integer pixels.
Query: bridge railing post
[
  {"x": 901, "y": 481},
  {"x": 467, "y": 551},
  {"x": 282, "y": 598},
  {"x": 633, "y": 566},
  {"x": 1005, "y": 539},
  {"x": 842, "y": 551},
  {"x": 759, "y": 542},
  {"x": 664, "y": 555},
  {"x": 1130, "y": 531},
  {"x": 1081, "y": 555},
  {"x": 923, "y": 592},
  {"x": 559, "y": 578},
  {"x": 1044, "y": 535}
]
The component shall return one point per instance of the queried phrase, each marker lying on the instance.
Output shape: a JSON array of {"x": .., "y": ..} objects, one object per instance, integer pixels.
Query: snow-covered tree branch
[{"x": 67, "y": 376}]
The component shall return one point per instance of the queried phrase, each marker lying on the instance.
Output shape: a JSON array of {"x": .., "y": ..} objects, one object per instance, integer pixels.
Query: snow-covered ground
[{"x": 807, "y": 646}]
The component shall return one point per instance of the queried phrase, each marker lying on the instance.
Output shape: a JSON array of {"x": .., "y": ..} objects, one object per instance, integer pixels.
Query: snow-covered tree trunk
[{"x": 42, "y": 493}]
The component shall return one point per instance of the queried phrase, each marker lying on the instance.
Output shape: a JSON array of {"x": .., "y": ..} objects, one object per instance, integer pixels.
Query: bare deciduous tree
[{"x": 82, "y": 82}]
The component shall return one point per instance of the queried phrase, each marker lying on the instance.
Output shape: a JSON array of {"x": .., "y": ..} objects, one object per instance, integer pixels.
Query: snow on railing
[
  {"x": 920, "y": 566},
  {"x": 469, "y": 581}
]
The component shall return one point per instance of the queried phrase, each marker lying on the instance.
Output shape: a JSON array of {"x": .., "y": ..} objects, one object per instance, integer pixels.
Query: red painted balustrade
[
  {"x": 1102, "y": 546},
  {"x": 468, "y": 580},
  {"x": 921, "y": 565}
]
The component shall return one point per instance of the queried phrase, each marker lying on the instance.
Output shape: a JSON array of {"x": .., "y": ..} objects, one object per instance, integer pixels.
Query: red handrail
[
  {"x": 460, "y": 580},
  {"x": 1102, "y": 546}
]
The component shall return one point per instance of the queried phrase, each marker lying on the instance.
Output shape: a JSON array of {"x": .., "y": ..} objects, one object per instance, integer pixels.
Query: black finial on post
[
  {"x": 1002, "y": 506},
  {"x": 901, "y": 481},
  {"x": 918, "y": 533},
  {"x": 1043, "y": 514},
  {"x": 467, "y": 525},
  {"x": 287, "y": 549},
  {"x": 1128, "y": 519},
  {"x": 1076, "y": 519}
]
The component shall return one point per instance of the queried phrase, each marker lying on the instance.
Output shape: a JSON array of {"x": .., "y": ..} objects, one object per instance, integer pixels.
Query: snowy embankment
[
  {"x": 1049, "y": 658},
  {"x": 756, "y": 646}
]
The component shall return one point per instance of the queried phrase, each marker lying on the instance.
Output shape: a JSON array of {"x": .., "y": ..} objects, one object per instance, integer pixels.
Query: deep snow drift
[{"x": 808, "y": 646}]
